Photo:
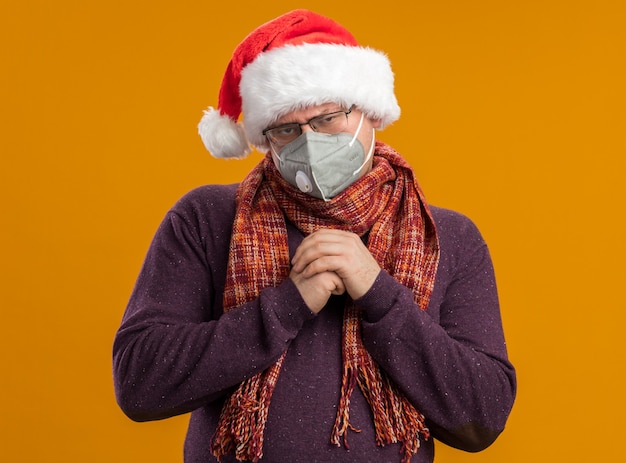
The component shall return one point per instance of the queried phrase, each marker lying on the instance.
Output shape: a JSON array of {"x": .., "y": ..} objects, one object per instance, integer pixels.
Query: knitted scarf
[{"x": 388, "y": 204}]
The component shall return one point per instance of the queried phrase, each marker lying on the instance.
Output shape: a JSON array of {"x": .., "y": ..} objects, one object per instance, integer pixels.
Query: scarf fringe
[
  {"x": 395, "y": 419},
  {"x": 241, "y": 424}
]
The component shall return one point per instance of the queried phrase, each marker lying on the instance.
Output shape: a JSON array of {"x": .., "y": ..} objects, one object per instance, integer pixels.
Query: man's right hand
[{"x": 317, "y": 289}]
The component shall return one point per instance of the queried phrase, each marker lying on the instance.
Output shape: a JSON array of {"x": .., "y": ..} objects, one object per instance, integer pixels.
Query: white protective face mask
[{"x": 321, "y": 164}]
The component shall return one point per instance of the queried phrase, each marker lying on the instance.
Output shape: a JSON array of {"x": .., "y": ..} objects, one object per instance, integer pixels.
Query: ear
[{"x": 376, "y": 123}]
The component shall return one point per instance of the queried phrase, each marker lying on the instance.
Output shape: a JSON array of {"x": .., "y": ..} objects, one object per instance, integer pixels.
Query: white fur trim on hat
[
  {"x": 223, "y": 137},
  {"x": 293, "y": 77}
]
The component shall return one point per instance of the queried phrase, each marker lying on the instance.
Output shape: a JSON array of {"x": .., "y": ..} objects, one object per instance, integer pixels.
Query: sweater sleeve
[
  {"x": 450, "y": 360},
  {"x": 175, "y": 351}
]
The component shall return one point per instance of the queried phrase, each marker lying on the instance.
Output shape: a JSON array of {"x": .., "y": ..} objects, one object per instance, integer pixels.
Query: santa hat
[{"x": 297, "y": 60}]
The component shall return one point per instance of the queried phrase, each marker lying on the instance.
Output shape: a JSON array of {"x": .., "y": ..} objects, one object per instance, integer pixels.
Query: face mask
[{"x": 323, "y": 165}]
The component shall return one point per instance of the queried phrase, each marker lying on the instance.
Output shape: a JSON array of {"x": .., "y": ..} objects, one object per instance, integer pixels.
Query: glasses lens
[
  {"x": 330, "y": 123},
  {"x": 284, "y": 134}
]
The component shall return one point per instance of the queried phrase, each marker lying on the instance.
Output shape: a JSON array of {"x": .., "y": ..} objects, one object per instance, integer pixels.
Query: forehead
[{"x": 303, "y": 115}]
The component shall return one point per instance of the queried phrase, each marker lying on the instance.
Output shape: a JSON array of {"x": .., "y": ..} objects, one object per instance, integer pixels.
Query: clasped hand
[{"x": 331, "y": 262}]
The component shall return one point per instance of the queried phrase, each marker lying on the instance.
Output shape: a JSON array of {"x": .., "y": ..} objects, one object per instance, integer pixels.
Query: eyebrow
[{"x": 324, "y": 112}]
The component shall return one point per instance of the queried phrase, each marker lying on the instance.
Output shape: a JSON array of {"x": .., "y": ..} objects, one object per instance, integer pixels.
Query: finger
[
  {"x": 321, "y": 243},
  {"x": 323, "y": 250},
  {"x": 326, "y": 263},
  {"x": 340, "y": 288}
]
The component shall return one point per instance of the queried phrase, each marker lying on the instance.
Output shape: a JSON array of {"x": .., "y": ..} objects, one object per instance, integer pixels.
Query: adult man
[{"x": 320, "y": 310}]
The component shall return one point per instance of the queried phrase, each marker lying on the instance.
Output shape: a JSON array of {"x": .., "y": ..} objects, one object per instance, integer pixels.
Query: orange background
[{"x": 513, "y": 113}]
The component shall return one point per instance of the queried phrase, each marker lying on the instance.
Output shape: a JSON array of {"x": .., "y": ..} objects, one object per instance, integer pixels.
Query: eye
[
  {"x": 328, "y": 119},
  {"x": 284, "y": 134},
  {"x": 285, "y": 131}
]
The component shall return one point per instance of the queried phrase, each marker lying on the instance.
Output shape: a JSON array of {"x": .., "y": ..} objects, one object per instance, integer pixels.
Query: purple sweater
[{"x": 176, "y": 352}]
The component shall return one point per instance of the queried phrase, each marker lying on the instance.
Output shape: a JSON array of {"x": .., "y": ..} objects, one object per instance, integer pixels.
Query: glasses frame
[{"x": 310, "y": 123}]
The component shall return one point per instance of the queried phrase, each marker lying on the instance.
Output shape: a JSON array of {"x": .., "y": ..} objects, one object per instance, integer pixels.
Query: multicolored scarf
[{"x": 388, "y": 204}]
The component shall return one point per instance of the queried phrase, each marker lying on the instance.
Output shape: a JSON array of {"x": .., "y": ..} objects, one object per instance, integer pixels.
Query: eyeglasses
[{"x": 331, "y": 123}]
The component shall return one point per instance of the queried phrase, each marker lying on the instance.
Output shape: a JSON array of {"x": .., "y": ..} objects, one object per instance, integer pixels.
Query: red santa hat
[{"x": 297, "y": 60}]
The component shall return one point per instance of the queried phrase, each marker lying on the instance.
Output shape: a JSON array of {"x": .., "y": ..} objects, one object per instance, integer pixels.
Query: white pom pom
[{"x": 223, "y": 137}]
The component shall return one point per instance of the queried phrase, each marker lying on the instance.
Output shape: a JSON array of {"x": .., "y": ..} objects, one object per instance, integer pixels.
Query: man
[{"x": 321, "y": 310}]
